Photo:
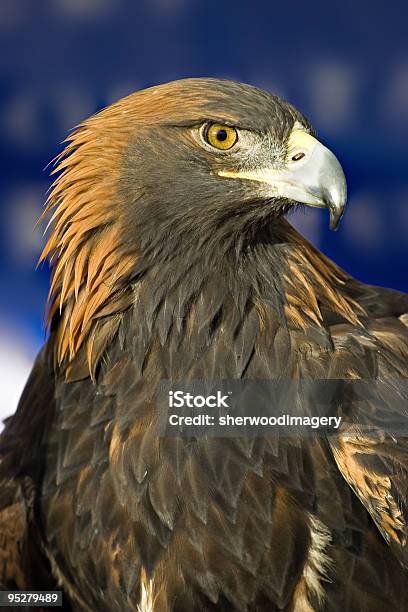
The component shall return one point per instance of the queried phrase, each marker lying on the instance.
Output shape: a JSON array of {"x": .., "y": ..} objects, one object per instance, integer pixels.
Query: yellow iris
[{"x": 221, "y": 136}]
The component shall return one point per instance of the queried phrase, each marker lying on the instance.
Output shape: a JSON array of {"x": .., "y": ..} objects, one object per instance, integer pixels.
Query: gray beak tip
[
  {"x": 335, "y": 198},
  {"x": 335, "y": 218}
]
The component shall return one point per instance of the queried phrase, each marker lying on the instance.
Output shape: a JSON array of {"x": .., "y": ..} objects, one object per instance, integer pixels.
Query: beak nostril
[{"x": 298, "y": 156}]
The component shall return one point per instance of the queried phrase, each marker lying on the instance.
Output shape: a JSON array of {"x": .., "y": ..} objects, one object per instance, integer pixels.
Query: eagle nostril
[{"x": 298, "y": 156}]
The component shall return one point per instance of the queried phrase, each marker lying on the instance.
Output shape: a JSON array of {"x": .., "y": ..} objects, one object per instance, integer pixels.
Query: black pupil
[{"x": 222, "y": 135}]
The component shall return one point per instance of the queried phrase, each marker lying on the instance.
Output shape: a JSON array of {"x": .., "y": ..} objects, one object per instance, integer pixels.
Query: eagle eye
[{"x": 219, "y": 136}]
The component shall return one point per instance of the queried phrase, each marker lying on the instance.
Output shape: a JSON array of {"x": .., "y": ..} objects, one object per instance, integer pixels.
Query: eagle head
[{"x": 193, "y": 165}]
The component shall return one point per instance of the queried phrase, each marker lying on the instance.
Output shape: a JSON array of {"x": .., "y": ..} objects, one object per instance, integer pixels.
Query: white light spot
[
  {"x": 12, "y": 14},
  {"x": 20, "y": 121},
  {"x": 362, "y": 222},
  {"x": 72, "y": 106},
  {"x": 332, "y": 89},
  {"x": 165, "y": 8},
  {"x": 396, "y": 96},
  {"x": 78, "y": 9},
  {"x": 16, "y": 360},
  {"x": 24, "y": 239}
]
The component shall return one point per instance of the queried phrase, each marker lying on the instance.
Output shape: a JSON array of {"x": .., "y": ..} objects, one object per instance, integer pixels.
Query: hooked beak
[{"x": 312, "y": 175}]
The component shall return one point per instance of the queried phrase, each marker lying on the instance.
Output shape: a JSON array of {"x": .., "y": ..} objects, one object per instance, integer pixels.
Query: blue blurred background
[{"x": 344, "y": 64}]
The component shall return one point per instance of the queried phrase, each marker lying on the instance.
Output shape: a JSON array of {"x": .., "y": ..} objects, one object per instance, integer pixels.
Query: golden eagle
[{"x": 172, "y": 260}]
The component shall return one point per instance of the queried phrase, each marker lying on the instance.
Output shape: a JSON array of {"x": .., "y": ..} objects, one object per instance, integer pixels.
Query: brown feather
[{"x": 90, "y": 268}]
